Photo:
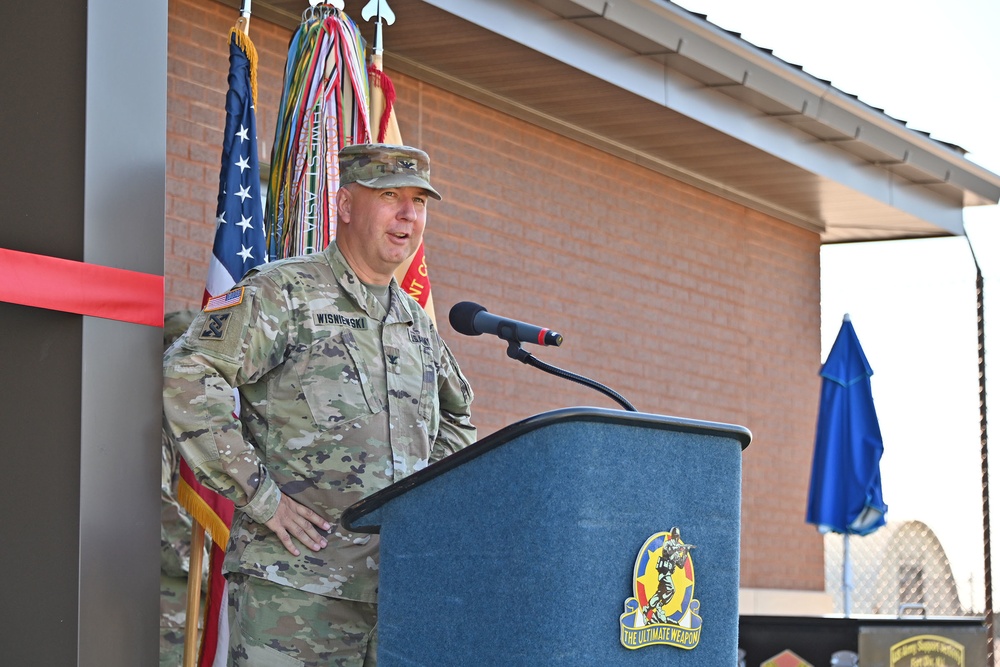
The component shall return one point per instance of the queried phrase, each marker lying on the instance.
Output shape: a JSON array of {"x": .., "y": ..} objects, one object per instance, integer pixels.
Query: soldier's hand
[{"x": 295, "y": 519}]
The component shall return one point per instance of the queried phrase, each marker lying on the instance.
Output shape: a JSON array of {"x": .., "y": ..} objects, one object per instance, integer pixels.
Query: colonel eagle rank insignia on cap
[{"x": 382, "y": 166}]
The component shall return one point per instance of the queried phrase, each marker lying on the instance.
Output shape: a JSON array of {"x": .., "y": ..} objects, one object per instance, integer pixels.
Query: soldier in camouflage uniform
[{"x": 345, "y": 387}]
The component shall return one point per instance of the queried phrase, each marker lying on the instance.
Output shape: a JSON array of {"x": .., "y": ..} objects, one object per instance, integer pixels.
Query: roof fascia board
[
  {"x": 767, "y": 133},
  {"x": 745, "y": 64}
]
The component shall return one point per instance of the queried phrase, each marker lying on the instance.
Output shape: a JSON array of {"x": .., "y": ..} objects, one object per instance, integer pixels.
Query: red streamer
[{"x": 76, "y": 287}]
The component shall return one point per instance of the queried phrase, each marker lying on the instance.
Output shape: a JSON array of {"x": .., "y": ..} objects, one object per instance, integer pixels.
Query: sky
[{"x": 934, "y": 64}]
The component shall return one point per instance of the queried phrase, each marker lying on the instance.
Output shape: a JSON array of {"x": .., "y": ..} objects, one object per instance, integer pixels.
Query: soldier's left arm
[{"x": 455, "y": 401}]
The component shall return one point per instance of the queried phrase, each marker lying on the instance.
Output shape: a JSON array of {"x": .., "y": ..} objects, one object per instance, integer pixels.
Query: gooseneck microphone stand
[{"x": 514, "y": 351}]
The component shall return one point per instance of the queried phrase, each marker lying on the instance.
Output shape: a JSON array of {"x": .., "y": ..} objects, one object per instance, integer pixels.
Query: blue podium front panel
[{"x": 576, "y": 543}]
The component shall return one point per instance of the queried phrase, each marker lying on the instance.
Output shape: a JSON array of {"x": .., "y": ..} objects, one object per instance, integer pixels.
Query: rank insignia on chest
[{"x": 663, "y": 609}]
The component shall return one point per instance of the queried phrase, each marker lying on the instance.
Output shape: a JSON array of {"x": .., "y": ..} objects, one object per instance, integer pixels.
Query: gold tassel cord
[{"x": 243, "y": 41}]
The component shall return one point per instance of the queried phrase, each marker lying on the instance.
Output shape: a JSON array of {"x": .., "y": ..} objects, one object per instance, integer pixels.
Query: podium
[{"x": 548, "y": 543}]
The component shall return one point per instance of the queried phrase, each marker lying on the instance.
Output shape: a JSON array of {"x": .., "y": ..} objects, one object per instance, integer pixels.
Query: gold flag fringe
[
  {"x": 243, "y": 41},
  {"x": 203, "y": 513}
]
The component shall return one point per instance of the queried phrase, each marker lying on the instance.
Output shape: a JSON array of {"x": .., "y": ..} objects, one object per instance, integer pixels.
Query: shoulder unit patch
[{"x": 215, "y": 326}]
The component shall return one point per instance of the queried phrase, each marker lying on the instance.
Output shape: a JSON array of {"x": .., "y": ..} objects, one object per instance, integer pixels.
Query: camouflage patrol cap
[{"x": 386, "y": 166}]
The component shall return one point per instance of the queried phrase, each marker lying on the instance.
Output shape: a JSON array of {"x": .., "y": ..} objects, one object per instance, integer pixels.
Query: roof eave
[{"x": 655, "y": 84}]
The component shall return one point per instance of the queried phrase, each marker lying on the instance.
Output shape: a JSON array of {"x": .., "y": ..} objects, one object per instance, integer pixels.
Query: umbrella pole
[{"x": 847, "y": 583}]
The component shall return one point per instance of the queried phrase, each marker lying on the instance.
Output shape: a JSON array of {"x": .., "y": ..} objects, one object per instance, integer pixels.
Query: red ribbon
[{"x": 76, "y": 287}]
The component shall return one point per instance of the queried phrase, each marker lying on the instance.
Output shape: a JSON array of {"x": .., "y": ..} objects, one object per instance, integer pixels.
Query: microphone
[{"x": 472, "y": 319}]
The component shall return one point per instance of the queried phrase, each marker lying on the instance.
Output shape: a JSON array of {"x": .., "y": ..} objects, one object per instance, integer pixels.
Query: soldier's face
[{"x": 378, "y": 229}]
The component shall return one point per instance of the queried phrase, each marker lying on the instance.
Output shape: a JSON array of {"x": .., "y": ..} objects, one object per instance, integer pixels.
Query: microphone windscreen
[{"x": 463, "y": 317}]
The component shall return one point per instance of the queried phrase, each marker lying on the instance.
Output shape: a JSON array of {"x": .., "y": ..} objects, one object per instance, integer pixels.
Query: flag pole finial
[{"x": 381, "y": 11}]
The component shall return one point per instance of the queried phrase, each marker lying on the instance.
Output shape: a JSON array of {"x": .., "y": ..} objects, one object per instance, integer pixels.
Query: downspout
[{"x": 984, "y": 457}]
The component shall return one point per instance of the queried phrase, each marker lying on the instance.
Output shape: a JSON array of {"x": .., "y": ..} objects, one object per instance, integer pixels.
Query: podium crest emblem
[{"x": 663, "y": 609}]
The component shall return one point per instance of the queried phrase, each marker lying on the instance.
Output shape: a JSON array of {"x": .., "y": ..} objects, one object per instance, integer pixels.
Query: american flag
[
  {"x": 239, "y": 246},
  {"x": 239, "y": 233}
]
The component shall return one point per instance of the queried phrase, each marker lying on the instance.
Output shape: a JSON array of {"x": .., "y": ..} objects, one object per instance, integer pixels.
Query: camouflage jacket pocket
[{"x": 336, "y": 381}]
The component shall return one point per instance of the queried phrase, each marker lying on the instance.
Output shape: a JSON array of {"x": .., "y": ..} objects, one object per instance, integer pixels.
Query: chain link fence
[{"x": 900, "y": 569}]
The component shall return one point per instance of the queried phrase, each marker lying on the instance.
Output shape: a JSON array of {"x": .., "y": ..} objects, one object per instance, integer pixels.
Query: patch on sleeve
[
  {"x": 215, "y": 326},
  {"x": 231, "y": 298}
]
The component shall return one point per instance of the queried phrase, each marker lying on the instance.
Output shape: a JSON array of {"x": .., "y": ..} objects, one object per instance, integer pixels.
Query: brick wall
[{"x": 685, "y": 303}]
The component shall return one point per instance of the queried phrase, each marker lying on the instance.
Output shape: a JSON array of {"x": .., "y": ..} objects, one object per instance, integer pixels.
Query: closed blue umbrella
[{"x": 845, "y": 492}]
